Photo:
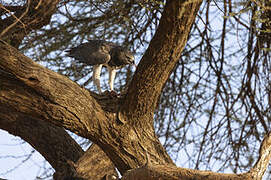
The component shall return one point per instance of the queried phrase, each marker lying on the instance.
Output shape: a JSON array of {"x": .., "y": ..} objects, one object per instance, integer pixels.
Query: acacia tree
[{"x": 38, "y": 104}]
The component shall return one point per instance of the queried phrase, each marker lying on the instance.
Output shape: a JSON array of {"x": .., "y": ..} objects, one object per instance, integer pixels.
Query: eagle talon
[{"x": 112, "y": 93}]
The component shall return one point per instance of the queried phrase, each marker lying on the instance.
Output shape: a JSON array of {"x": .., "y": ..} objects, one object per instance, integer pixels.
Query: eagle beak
[{"x": 132, "y": 61}]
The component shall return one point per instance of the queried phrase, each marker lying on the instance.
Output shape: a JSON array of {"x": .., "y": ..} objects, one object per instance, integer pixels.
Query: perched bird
[{"x": 99, "y": 53}]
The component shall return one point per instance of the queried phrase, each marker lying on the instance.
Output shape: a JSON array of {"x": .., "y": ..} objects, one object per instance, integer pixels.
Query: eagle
[{"x": 99, "y": 53}]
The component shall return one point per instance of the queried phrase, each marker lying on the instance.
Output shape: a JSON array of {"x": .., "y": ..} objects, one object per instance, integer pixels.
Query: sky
[{"x": 14, "y": 151}]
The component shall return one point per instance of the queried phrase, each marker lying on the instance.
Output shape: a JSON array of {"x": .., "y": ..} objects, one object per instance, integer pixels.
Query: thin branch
[{"x": 17, "y": 19}]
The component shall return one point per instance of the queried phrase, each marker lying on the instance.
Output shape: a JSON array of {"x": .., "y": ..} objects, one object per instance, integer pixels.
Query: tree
[{"x": 37, "y": 104}]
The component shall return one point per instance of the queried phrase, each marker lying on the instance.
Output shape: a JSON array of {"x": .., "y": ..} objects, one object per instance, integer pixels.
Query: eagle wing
[{"x": 92, "y": 53}]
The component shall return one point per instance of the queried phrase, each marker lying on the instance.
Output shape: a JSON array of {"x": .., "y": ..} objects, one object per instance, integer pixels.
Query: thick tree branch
[
  {"x": 34, "y": 15},
  {"x": 159, "y": 60},
  {"x": 46, "y": 94},
  {"x": 261, "y": 165},
  {"x": 53, "y": 142},
  {"x": 33, "y": 92},
  {"x": 172, "y": 172},
  {"x": 39, "y": 93},
  {"x": 175, "y": 173},
  {"x": 60, "y": 150},
  {"x": 94, "y": 164}
]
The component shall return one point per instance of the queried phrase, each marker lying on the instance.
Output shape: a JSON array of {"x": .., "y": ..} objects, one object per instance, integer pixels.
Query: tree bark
[
  {"x": 175, "y": 173},
  {"x": 159, "y": 60},
  {"x": 63, "y": 151},
  {"x": 46, "y": 95},
  {"x": 54, "y": 143},
  {"x": 94, "y": 164},
  {"x": 31, "y": 93}
]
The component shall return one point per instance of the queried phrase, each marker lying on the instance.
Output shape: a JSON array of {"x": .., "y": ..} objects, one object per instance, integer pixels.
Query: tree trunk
[{"x": 30, "y": 94}]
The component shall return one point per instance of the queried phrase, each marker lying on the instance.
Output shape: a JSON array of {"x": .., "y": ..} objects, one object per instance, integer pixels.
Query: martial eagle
[{"x": 99, "y": 53}]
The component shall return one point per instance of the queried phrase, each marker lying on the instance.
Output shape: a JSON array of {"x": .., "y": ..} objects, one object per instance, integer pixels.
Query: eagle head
[{"x": 124, "y": 57}]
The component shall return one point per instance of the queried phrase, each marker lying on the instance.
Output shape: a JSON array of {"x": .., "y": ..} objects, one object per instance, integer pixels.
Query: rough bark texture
[
  {"x": 44, "y": 94},
  {"x": 263, "y": 161},
  {"x": 30, "y": 93},
  {"x": 154, "y": 69},
  {"x": 174, "y": 173},
  {"x": 93, "y": 164},
  {"x": 18, "y": 119},
  {"x": 53, "y": 142},
  {"x": 159, "y": 60}
]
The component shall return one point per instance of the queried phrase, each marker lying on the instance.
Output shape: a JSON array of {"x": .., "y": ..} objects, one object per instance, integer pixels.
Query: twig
[{"x": 17, "y": 19}]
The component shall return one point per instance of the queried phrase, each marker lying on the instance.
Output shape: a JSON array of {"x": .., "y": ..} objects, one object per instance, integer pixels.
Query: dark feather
[
  {"x": 91, "y": 53},
  {"x": 101, "y": 52}
]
